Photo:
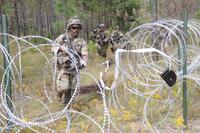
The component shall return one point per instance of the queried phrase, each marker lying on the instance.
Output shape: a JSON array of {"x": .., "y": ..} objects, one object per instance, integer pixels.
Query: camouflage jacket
[
  {"x": 93, "y": 35},
  {"x": 115, "y": 37},
  {"x": 102, "y": 38},
  {"x": 77, "y": 48}
]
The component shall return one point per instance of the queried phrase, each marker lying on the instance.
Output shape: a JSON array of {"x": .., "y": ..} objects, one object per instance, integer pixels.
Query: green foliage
[
  {"x": 33, "y": 4},
  {"x": 59, "y": 7},
  {"x": 129, "y": 5},
  {"x": 41, "y": 17},
  {"x": 128, "y": 12},
  {"x": 59, "y": 25},
  {"x": 6, "y": 8},
  {"x": 90, "y": 5},
  {"x": 50, "y": 35},
  {"x": 31, "y": 16},
  {"x": 66, "y": 8},
  {"x": 198, "y": 14},
  {"x": 91, "y": 47}
]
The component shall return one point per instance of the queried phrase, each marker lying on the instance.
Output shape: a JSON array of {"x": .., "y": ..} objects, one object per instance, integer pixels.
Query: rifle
[{"x": 69, "y": 60}]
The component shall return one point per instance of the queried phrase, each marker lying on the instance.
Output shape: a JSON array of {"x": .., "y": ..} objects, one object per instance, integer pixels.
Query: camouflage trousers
[
  {"x": 102, "y": 50},
  {"x": 66, "y": 84},
  {"x": 113, "y": 48}
]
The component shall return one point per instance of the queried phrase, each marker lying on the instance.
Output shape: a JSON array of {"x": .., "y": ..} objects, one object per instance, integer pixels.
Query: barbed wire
[{"x": 137, "y": 71}]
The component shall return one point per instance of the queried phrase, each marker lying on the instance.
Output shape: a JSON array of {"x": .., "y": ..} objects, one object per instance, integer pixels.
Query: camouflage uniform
[
  {"x": 93, "y": 35},
  {"x": 102, "y": 44},
  {"x": 101, "y": 39},
  {"x": 115, "y": 40},
  {"x": 67, "y": 72}
]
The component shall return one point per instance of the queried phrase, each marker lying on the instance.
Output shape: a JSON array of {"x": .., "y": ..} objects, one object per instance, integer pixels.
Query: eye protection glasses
[{"x": 75, "y": 28}]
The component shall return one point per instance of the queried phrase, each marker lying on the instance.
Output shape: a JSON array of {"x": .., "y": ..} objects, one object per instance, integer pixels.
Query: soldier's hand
[
  {"x": 81, "y": 66},
  {"x": 60, "y": 50}
]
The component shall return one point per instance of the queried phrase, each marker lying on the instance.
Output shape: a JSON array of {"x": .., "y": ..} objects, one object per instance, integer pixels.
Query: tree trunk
[
  {"x": 1, "y": 3},
  {"x": 16, "y": 17},
  {"x": 23, "y": 18}
]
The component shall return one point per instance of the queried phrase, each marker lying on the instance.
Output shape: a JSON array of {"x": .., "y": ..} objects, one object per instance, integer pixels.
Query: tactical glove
[{"x": 81, "y": 66}]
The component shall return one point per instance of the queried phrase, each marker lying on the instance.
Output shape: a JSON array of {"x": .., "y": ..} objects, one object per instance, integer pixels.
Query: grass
[{"x": 127, "y": 115}]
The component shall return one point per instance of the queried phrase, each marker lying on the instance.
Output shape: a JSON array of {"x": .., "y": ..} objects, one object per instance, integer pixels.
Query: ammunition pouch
[{"x": 67, "y": 61}]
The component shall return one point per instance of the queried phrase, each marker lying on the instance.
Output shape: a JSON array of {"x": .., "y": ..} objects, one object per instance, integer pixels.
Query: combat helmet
[
  {"x": 102, "y": 25},
  {"x": 74, "y": 20}
]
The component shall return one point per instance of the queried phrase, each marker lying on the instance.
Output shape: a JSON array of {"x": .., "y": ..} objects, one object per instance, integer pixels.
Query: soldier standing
[
  {"x": 102, "y": 41},
  {"x": 115, "y": 39},
  {"x": 93, "y": 34},
  {"x": 71, "y": 55}
]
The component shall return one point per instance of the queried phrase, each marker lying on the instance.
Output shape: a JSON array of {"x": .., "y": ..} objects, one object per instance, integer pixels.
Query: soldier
[
  {"x": 93, "y": 34},
  {"x": 115, "y": 39},
  {"x": 102, "y": 41},
  {"x": 68, "y": 69}
]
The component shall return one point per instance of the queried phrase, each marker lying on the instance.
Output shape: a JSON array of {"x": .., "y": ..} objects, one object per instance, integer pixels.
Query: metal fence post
[
  {"x": 4, "y": 28},
  {"x": 184, "y": 50}
]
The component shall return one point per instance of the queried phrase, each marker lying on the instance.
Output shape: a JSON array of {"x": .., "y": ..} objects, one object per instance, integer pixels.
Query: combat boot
[
  {"x": 67, "y": 96},
  {"x": 59, "y": 96}
]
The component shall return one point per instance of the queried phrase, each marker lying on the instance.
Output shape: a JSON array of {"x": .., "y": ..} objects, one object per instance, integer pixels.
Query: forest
[
  {"x": 48, "y": 17},
  {"x": 126, "y": 91}
]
